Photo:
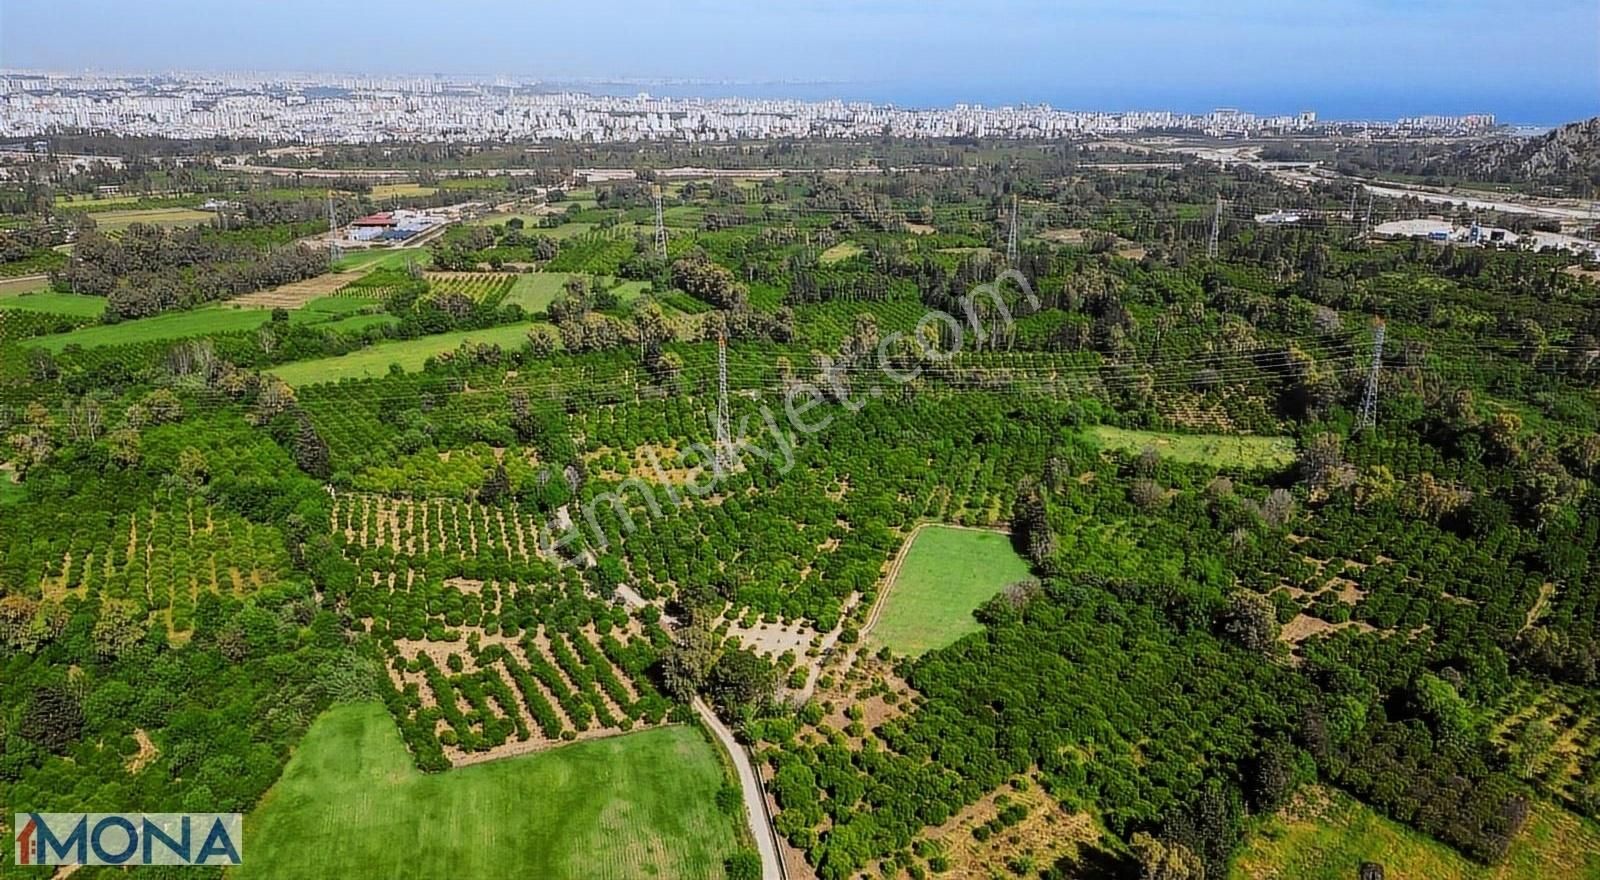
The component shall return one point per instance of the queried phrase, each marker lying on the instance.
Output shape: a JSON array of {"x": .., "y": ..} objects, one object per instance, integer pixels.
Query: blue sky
[{"x": 1536, "y": 62}]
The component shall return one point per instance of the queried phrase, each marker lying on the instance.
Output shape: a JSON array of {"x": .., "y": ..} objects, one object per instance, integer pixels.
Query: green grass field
[
  {"x": 383, "y": 258},
  {"x": 334, "y": 313},
  {"x": 408, "y": 353},
  {"x": 628, "y": 291},
  {"x": 1331, "y": 843},
  {"x": 76, "y": 305},
  {"x": 535, "y": 291},
  {"x": 945, "y": 574},
  {"x": 172, "y": 325},
  {"x": 1217, "y": 450},
  {"x": 351, "y": 805}
]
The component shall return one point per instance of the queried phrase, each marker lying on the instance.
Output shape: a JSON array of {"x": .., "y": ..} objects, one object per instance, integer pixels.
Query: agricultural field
[
  {"x": 294, "y": 295},
  {"x": 1326, "y": 835},
  {"x": 163, "y": 558},
  {"x": 382, "y": 258},
  {"x": 26, "y": 284},
  {"x": 636, "y": 806},
  {"x": 73, "y": 304},
  {"x": 477, "y": 675},
  {"x": 1551, "y": 737},
  {"x": 382, "y": 191},
  {"x": 535, "y": 291},
  {"x": 203, "y": 321},
  {"x": 943, "y": 574},
  {"x": 409, "y": 354},
  {"x": 1216, "y": 450},
  {"x": 1059, "y": 597},
  {"x": 476, "y": 286},
  {"x": 112, "y": 223}
]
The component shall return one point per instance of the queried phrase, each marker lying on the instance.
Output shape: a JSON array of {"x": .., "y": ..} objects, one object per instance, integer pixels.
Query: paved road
[{"x": 755, "y": 801}]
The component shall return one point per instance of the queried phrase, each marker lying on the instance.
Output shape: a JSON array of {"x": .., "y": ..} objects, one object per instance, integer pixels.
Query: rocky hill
[{"x": 1567, "y": 156}]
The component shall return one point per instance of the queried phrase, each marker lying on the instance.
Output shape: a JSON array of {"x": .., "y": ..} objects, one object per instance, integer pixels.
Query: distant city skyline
[{"x": 1357, "y": 59}]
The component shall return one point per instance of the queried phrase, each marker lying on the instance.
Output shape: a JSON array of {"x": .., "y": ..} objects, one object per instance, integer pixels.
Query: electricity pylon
[
  {"x": 1368, "y": 417},
  {"x": 1011, "y": 236},
  {"x": 1216, "y": 230},
  {"x": 661, "y": 224},
  {"x": 724, "y": 441},
  {"x": 333, "y": 232}
]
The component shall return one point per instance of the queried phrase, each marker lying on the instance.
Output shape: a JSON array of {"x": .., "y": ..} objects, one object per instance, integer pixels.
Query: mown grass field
[
  {"x": 1330, "y": 840},
  {"x": 944, "y": 575},
  {"x": 1217, "y": 450},
  {"x": 76, "y": 305},
  {"x": 410, "y": 354},
  {"x": 351, "y": 805}
]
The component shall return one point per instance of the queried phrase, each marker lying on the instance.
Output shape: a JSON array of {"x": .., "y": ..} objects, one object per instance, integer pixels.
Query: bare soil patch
[{"x": 294, "y": 295}]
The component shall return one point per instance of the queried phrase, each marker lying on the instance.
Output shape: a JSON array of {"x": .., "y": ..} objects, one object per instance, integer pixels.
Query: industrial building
[{"x": 398, "y": 225}]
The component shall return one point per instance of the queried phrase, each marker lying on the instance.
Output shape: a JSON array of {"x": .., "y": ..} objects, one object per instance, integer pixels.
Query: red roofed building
[{"x": 382, "y": 218}]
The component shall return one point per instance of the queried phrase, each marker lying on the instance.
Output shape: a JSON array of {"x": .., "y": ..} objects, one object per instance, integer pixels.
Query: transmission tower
[
  {"x": 1011, "y": 236},
  {"x": 333, "y": 232},
  {"x": 724, "y": 443},
  {"x": 661, "y": 225},
  {"x": 1216, "y": 230},
  {"x": 1368, "y": 418},
  {"x": 1366, "y": 219}
]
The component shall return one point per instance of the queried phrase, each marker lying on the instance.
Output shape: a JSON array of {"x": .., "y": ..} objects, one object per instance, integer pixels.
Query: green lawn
[
  {"x": 408, "y": 353},
  {"x": 351, "y": 805},
  {"x": 1340, "y": 833},
  {"x": 945, "y": 574},
  {"x": 1217, "y": 450},
  {"x": 76, "y": 305}
]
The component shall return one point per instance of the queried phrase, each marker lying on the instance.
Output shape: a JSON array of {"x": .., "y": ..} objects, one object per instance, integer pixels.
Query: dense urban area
[
  {"x": 460, "y": 478},
  {"x": 326, "y": 109}
]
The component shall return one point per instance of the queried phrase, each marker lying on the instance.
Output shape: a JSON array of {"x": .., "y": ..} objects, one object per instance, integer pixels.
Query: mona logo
[{"x": 128, "y": 838}]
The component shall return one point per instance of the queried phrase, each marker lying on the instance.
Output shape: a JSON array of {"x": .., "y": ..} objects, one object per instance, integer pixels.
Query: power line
[
  {"x": 1216, "y": 230},
  {"x": 1369, "y": 399},
  {"x": 1011, "y": 236},
  {"x": 725, "y": 450},
  {"x": 661, "y": 226}
]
